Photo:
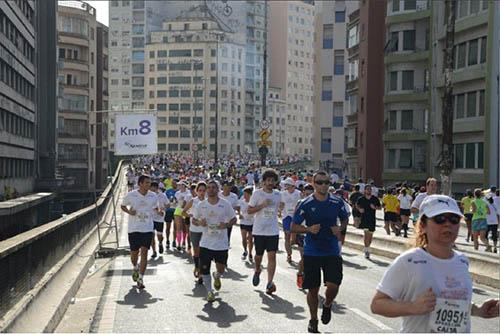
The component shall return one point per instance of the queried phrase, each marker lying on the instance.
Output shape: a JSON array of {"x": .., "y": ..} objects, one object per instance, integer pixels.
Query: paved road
[{"x": 172, "y": 302}]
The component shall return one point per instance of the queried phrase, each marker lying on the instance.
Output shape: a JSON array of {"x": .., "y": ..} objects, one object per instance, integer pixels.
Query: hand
[
  {"x": 373, "y": 207},
  {"x": 203, "y": 222},
  {"x": 132, "y": 212},
  {"x": 314, "y": 229},
  {"x": 489, "y": 309},
  {"x": 424, "y": 303},
  {"x": 336, "y": 231}
]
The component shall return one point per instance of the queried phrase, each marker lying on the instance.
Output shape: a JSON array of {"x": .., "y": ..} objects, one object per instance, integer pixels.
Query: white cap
[
  {"x": 289, "y": 182},
  {"x": 434, "y": 205}
]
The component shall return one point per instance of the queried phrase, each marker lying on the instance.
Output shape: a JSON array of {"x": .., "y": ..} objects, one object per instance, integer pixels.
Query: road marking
[{"x": 371, "y": 319}]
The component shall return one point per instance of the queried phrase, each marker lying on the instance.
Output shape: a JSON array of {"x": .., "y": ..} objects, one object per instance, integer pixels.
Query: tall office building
[
  {"x": 277, "y": 115},
  {"x": 79, "y": 59},
  {"x": 131, "y": 23},
  {"x": 331, "y": 71},
  {"x": 195, "y": 78},
  {"x": 291, "y": 50},
  {"x": 18, "y": 102}
]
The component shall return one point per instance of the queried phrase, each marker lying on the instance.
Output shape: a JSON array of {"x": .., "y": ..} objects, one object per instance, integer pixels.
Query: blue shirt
[
  {"x": 320, "y": 212},
  {"x": 170, "y": 193}
]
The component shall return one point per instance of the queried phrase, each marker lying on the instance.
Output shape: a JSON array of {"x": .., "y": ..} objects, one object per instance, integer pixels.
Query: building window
[
  {"x": 173, "y": 147},
  {"x": 393, "y": 81},
  {"x": 406, "y": 119},
  {"x": 409, "y": 40},
  {"x": 461, "y": 54},
  {"x": 407, "y": 83},
  {"x": 391, "y": 159},
  {"x": 405, "y": 158},
  {"x": 340, "y": 16},
  {"x": 173, "y": 133},
  {"x": 460, "y": 106},
  {"x": 395, "y": 5},
  {"x": 410, "y": 4},
  {"x": 481, "y": 103},
  {"x": 339, "y": 62},
  {"x": 179, "y": 53},
  {"x": 327, "y": 36},
  {"x": 471, "y": 104},
  {"x": 326, "y": 140},
  {"x": 326, "y": 90},
  {"x": 338, "y": 114},
  {"x": 393, "y": 120},
  {"x": 484, "y": 43},
  {"x": 473, "y": 49}
]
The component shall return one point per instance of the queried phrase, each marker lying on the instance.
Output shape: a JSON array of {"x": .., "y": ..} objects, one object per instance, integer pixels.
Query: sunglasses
[
  {"x": 322, "y": 182},
  {"x": 441, "y": 219}
]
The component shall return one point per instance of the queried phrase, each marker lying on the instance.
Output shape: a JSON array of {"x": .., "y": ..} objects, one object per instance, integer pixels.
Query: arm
[
  {"x": 131, "y": 212},
  {"x": 188, "y": 206},
  {"x": 254, "y": 209},
  {"x": 383, "y": 304},
  {"x": 489, "y": 309}
]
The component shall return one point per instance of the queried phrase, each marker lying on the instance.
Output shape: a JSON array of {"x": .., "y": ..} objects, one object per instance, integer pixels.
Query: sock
[
  {"x": 178, "y": 238},
  {"x": 207, "y": 281},
  {"x": 141, "y": 275},
  {"x": 136, "y": 267}
]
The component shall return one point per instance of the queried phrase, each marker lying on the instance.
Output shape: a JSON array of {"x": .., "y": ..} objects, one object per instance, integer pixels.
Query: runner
[
  {"x": 467, "y": 210},
  {"x": 182, "y": 197},
  {"x": 480, "y": 212},
  {"x": 353, "y": 199},
  {"x": 246, "y": 224},
  {"x": 321, "y": 246},
  {"x": 169, "y": 214},
  {"x": 430, "y": 189},
  {"x": 390, "y": 204},
  {"x": 368, "y": 205},
  {"x": 430, "y": 285},
  {"x": 492, "y": 220},
  {"x": 215, "y": 215},
  {"x": 404, "y": 206},
  {"x": 289, "y": 199},
  {"x": 264, "y": 204},
  {"x": 142, "y": 203},
  {"x": 195, "y": 230},
  {"x": 232, "y": 198},
  {"x": 158, "y": 218}
]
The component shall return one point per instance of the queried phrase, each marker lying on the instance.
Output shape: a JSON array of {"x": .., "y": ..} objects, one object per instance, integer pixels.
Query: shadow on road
[
  {"x": 479, "y": 291},
  {"x": 277, "y": 304},
  {"x": 234, "y": 275},
  {"x": 379, "y": 263},
  {"x": 138, "y": 298},
  {"x": 223, "y": 315},
  {"x": 199, "y": 290},
  {"x": 126, "y": 272},
  {"x": 156, "y": 262},
  {"x": 353, "y": 265},
  {"x": 336, "y": 308}
]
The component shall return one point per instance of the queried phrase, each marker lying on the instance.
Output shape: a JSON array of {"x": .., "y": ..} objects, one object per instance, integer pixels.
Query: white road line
[{"x": 371, "y": 319}]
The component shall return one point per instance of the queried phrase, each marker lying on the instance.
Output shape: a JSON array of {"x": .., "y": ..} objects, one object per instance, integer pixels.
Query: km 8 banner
[{"x": 135, "y": 134}]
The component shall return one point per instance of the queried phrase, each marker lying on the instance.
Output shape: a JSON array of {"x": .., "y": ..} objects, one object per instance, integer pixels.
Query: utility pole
[
  {"x": 263, "y": 150},
  {"x": 446, "y": 161}
]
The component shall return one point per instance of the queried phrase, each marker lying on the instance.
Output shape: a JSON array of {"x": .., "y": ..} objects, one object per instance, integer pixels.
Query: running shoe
[
  {"x": 217, "y": 282},
  {"x": 167, "y": 245},
  {"x": 256, "y": 278},
  {"x": 313, "y": 326},
  {"x": 495, "y": 250},
  {"x": 326, "y": 315},
  {"x": 250, "y": 258},
  {"x": 300, "y": 280},
  {"x": 200, "y": 280},
  {"x": 154, "y": 255},
  {"x": 210, "y": 297},
  {"x": 140, "y": 284},
  {"x": 367, "y": 254},
  {"x": 244, "y": 255},
  {"x": 160, "y": 248},
  {"x": 270, "y": 288},
  {"x": 135, "y": 275},
  {"x": 196, "y": 272},
  {"x": 179, "y": 248}
]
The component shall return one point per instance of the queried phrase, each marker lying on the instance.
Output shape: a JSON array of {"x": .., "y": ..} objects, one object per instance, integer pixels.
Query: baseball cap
[
  {"x": 434, "y": 205},
  {"x": 289, "y": 182}
]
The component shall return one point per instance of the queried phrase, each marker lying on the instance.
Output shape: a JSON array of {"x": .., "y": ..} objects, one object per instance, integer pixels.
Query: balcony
[
  {"x": 422, "y": 11},
  {"x": 418, "y": 93},
  {"x": 352, "y": 119},
  {"x": 352, "y": 84},
  {"x": 352, "y": 152},
  {"x": 84, "y": 86},
  {"x": 469, "y": 73},
  {"x": 407, "y": 56}
]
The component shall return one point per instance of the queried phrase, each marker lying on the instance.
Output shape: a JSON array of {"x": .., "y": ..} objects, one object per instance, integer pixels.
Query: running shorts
[
  {"x": 405, "y": 212},
  {"x": 287, "y": 224},
  {"x": 206, "y": 257},
  {"x": 268, "y": 243},
  {"x": 391, "y": 217},
  {"x": 195, "y": 238},
  {"x": 169, "y": 215},
  {"x": 365, "y": 225},
  {"x": 330, "y": 265},
  {"x": 246, "y": 227},
  {"x": 159, "y": 226},
  {"x": 479, "y": 225},
  {"x": 137, "y": 240}
]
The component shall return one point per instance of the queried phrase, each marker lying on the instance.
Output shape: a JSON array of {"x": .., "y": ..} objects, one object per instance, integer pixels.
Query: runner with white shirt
[
  {"x": 195, "y": 230},
  {"x": 140, "y": 204},
  {"x": 232, "y": 198},
  {"x": 289, "y": 199},
  {"x": 430, "y": 188},
  {"x": 246, "y": 224},
  {"x": 158, "y": 218},
  {"x": 404, "y": 209},
  {"x": 430, "y": 286},
  {"x": 215, "y": 215},
  {"x": 182, "y": 197},
  {"x": 492, "y": 221},
  {"x": 264, "y": 204}
]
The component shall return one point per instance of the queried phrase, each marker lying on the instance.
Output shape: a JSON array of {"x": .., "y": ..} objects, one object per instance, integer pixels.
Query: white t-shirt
[
  {"x": 266, "y": 220},
  {"x": 250, "y": 179},
  {"x": 192, "y": 211},
  {"x": 162, "y": 202},
  {"x": 213, "y": 237},
  {"x": 144, "y": 206},
  {"x": 247, "y": 218},
  {"x": 374, "y": 191},
  {"x": 182, "y": 197},
  {"x": 496, "y": 203},
  {"x": 232, "y": 198},
  {"x": 334, "y": 178},
  {"x": 362, "y": 188},
  {"x": 414, "y": 272},
  {"x": 418, "y": 200},
  {"x": 405, "y": 201},
  {"x": 290, "y": 200},
  {"x": 492, "y": 218}
]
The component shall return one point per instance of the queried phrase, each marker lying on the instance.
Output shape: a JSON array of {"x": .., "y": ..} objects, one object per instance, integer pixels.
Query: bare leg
[
  {"x": 312, "y": 302},
  {"x": 331, "y": 292},
  {"x": 144, "y": 260},
  {"x": 271, "y": 266}
]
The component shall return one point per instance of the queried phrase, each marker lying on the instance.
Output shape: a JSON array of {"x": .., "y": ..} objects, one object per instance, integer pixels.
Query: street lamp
[{"x": 218, "y": 36}]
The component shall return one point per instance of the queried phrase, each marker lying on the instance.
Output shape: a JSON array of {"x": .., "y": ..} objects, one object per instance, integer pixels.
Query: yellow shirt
[
  {"x": 467, "y": 204},
  {"x": 168, "y": 183},
  {"x": 391, "y": 203}
]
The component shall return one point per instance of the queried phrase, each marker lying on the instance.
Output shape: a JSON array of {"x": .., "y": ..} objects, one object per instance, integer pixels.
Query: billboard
[{"x": 135, "y": 134}]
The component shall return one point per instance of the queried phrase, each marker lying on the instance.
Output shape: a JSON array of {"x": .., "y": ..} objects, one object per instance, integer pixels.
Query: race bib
[
  {"x": 142, "y": 217},
  {"x": 450, "y": 316},
  {"x": 268, "y": 213},
  {"x": 290, "y": 212},
  {"x": 213, "y": 229}
]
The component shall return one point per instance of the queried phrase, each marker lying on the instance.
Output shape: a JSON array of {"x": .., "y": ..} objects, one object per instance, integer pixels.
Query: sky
[{"x": 102, "y": 10}]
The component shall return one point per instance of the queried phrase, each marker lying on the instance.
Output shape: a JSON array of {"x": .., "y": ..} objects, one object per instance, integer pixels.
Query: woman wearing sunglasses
[{"x": 430, "y": 285}]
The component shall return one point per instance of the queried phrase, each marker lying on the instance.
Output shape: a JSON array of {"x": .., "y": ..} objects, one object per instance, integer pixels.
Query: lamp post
[{"x": 218, "y": 36}]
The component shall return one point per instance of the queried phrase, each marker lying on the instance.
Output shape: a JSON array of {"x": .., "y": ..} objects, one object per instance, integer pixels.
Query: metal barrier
[{"x": 27, "y": 257}]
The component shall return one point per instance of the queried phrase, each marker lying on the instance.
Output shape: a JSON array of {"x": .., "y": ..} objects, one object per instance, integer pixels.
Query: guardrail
[{"x": 27, "y": 257}]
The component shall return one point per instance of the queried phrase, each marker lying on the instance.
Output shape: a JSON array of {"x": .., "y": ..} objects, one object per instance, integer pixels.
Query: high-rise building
[
  {"x": 277, "y": 115},
  {"x": 365, "y": 109},
  {"x": 195, "y": 79},
  {"x": 79, "y": 58},
  {"x": 18, "y": 102},
  {"x": 291, "y": 50},
  {"x": 331, "y": 72},
  {"x": 131, "y": 23}
]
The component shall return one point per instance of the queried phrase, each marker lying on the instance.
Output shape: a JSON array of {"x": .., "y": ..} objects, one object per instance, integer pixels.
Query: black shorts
[
  {"x": 169, "y": 215},
  {"x": 405, "y": 212},
  {"x": 187, "y": 221},
  {"x": 356, "y": 214},
  {"x": 390, "y": 217},
  {"x": 268, "y": 243},
  {"x": 330, "y": 265},
  {"x": 137, "y": 240},
  {"x": 248, "y": 228},
  {"x": 159, "y": 226},
  {"x": 206, "y": 257},
  {"x": 468, "y": 217},
  {"x": 367, "y": 225}
]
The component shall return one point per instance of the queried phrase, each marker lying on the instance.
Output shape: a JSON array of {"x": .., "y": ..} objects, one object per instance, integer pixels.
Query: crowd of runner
[{"x": 176, "y": 203}]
